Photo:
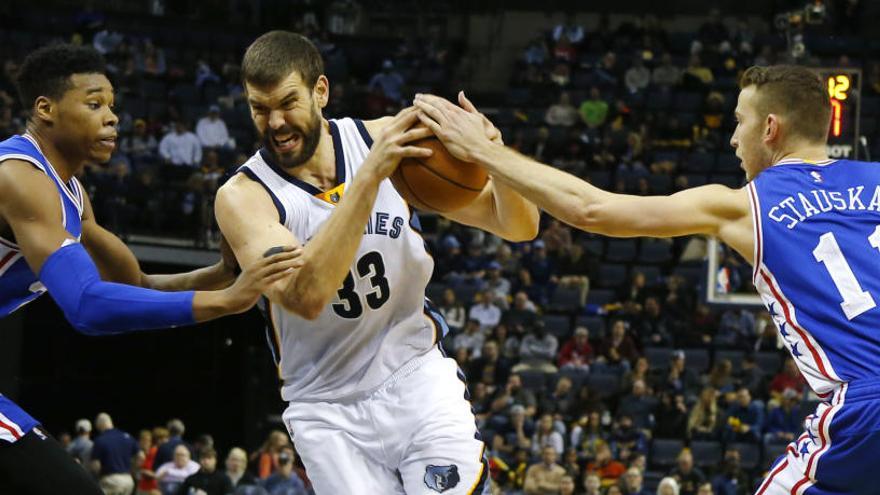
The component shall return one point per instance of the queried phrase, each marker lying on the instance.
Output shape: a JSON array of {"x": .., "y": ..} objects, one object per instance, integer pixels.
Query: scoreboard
[{"x": 844, "y": 87}]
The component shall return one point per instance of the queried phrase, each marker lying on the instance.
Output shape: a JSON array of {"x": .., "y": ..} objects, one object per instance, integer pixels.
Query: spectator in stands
[
  {"x": 605, "y": 466},
  {"x": 81, "y": 446},
  {"x": 577, "y": 353},
  {"x": 731, "y": 479},
  {"x": 172, "y": 474},
  {"x": 637, "y": 77},
  {"x": 567, "y": 485},
  {"x": 236, "y": 469},
  {"x": 212, "y": 131},
  {"x": 641, "y": 370},
  {"x": 594, "y": 110},
  {"x": 490, "y": 361},
  {"x": 668, "y": 486},
  {"x": 205, "y": 75},
  {"x": 523, "y": 314},
  {"x": 556, "y": 237},
  {"x": 112, "y": 454},
  {"x": 545, "y": 477},
  {"x": 547, "y": 436},
  {"x": 672, "y": 416},
  {"x": 284, "y": 481},
  {"x": 745, "y": 419},
  {"x": 653, "y": 327},
  {"x": 207, "y": 480},
  {"x": 721, "y": 377},
  {"x": 789, "y": 378},
  {"x": 540, "y": 266},
  {"x": 632, "y": 483},
  {"x": 471, "y": 339},
  {"x": 180, "y": 147},
  {"x": 388, "y": 82},
  {"x": 266, "y": 458},
  {"x": 639, "y": 405},
  {"x": 678, "y": 377},
  {"x": 626, "y": 440},
  {"x": 165, "y": 453},
  {"x": 686, "y": 474},
  {"x": 592, "y": 484},
  {"x": 562, "y": 113},
  {"x": 511, "y": 476},
  {"x": 666, "y": 75},
  {"x": 572, "y": 464},
  {"x": 785, "y": 422},
  {"x": 607, "y": 71},
  {"x": 617, "y": 351},
  {"x": 150, "y": 59},
  {"x": 751, "y": 376},
  {"x": 497, "y": 285},
  {"x": 141, "y": 147},
  {"x": 452, "y": 310},
  {"x": 485, "y": 311},
  {"x": 705, "y": 489},
  {"x": 537, "y": 351},
  {"x": 737, "y": 328},
  {"x": 570, "y": 29},
  {"x": 145, "y": 476},
  {"x": 513, "y": 431},
  {"x": 635, "y": 293},
  {"x": 697, "y": 76},
  {"x": 704, "y": 420}
]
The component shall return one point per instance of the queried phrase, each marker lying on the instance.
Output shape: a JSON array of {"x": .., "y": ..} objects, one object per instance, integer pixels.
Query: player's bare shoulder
[
  {"x": 242, "y": 196},
  {"x": 375, "y": 126}
]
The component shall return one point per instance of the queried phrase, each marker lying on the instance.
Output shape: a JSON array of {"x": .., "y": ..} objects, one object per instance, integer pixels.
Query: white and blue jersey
[
  {"x": 18, "y": 283},
  {"x": 817, "y": 252}
]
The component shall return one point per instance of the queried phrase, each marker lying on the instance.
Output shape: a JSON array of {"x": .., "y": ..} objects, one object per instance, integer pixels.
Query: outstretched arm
[
  {"x": 117, "y": 263},
  {"x": 712, "y": 210},
  {"x": 30, "y": 205}
]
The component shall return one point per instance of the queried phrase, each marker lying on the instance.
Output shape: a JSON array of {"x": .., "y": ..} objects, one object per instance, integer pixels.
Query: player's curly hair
[
  {"x": 47, "y": 70},
  {"x": 794, "y": 92},
  {"x": 274, "y": 55}
]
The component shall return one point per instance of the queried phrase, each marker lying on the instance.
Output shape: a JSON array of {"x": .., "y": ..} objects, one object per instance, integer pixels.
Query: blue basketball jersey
[
  {"x": 817, "y": 253},
  {"x": 18, "y": 283}
]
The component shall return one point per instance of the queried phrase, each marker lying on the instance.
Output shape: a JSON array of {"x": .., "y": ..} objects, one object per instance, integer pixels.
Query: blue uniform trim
[
  {"x": 338, "y": 151},
  {"x": 14, "y": 422},
  {"x": 368, "y": 140},
  {"x": 282, "y": 214}
]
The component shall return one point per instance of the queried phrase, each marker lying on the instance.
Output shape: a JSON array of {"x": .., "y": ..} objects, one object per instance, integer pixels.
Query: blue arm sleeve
[{"x": 95, "y": 307}]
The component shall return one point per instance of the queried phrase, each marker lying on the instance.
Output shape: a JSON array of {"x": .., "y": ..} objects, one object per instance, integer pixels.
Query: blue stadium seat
[
  {"x": 533, "y": 380},
  {"x": 595, "y": 247},
  {"x": 558, "y": 325},
  {"x": 664, "y": 452},
  {"x": 696, "y": 180},
  {"x": 658, "y": 357},
  {"x": 733, "y": 181},
  {"x": 700, "y": 162},
  {"x": 658, "y": 100},
  {"x": 692, "y": 272},
  {"x": 768, "y": 362},
  {"x": 565, "y": 300},
  {"x": 660, "y": 183},
  {"x": 687, "y": 102},
  {"x": 655, "y": 251},
  {"x": 696, "y": 359},
  {"x": 749, "y": 455},
  {"x": 599, "y": 179},
  {"x": 621, "y": 250},
  {"x": 465, "y": 294},
  {"x": 434, "y": 291},
  {"x": 595, "y": 324},
  {"x": 601, "y": 296},
  {"x": 728, "y": 163},
  {"x": 772, "y": 451},
  {"x": 652, "y": 274},
  {"x": 707, "y": 454},
  {"x": 611, "y": 276},
  {"x": 604, "y": 384}
]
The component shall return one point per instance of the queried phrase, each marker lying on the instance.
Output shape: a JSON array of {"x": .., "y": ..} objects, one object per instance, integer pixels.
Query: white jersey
[{"x": 378, "y": 320}]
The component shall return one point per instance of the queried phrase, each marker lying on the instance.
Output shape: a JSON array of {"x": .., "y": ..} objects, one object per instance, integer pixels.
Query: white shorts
[{"x": 416, "y": 434}]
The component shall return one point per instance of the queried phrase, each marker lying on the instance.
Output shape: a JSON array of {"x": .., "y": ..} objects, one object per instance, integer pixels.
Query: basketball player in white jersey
[{"x": 374, "y": 406}]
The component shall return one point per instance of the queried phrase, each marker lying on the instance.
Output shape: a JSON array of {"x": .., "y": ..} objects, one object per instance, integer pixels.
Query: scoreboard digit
[{"x": 844, "y": 87}]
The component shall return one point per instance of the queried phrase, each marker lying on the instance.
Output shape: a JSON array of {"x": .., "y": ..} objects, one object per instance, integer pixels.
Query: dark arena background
[{"x": 634, "y": 359}]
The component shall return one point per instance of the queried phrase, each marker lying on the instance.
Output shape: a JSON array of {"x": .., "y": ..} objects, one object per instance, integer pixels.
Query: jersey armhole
[
  {"x": 25, "y": 158},
  {"x": 755, "y": 206},
  {"x": 282, "y": 214}
]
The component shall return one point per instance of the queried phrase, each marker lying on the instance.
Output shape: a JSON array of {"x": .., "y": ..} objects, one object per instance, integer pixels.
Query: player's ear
[
  {"x": 771, "y": 128},
  {"x": 321, "y": 92},
  {"x": 44, "y": 109}
]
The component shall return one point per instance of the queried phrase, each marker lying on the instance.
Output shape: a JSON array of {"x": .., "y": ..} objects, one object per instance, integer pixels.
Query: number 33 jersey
[
  {"x": 378, "y": 320},
  {"x": 817, "y": 265}
]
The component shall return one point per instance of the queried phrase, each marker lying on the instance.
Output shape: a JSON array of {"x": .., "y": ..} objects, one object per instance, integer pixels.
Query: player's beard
[{"x": 310, "y": 137}]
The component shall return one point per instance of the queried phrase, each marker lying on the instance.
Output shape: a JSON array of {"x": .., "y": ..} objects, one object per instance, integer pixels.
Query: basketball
[{"x": 441, "y": 182}]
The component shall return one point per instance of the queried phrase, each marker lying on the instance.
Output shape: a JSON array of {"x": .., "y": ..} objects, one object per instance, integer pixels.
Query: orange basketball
[{"x": 441, "y": 182}]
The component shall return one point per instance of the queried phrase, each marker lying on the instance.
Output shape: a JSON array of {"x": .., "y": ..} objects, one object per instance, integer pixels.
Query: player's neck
[
  {"x": 810, "y": 153},
  {"x": 64, "y": 167}
]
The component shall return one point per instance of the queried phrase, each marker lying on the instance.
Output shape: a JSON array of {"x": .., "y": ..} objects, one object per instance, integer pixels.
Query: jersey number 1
[
  {"x": 370, "y": 265},
  {"x": 855, "y": 300}
]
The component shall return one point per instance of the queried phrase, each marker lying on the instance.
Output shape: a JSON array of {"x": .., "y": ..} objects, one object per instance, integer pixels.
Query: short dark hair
[
  {"x": 274, "y": 55},
  {"x": 795, "y": 92},
  {"x": 208, "y": 452},
  {"x": 47, "y": 70}
]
